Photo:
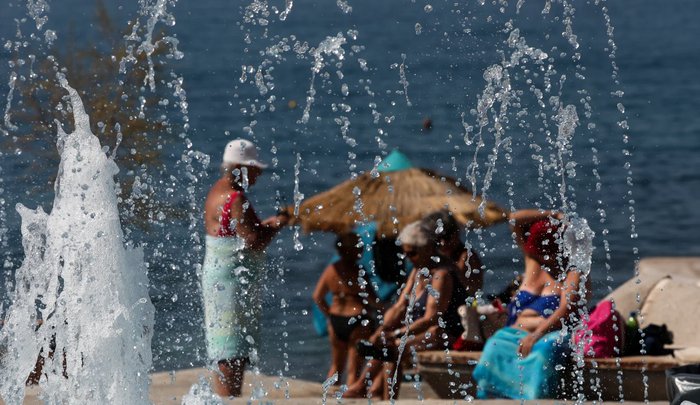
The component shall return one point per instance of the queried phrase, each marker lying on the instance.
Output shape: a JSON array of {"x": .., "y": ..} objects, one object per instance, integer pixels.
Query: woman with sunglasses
[{"x": 424, "y": 317}]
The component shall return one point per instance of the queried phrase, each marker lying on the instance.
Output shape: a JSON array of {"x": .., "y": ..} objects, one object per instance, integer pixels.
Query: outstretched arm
[
  {"x": 521, "y": 221},
  {"x": 257, "y": 234}
]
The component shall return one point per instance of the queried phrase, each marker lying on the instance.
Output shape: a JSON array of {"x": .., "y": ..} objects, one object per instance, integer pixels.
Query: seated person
[
  {"x": 469, "y": 273},
  {"x": 424, "y": 317},
  {"x": 467, "y": 261},
  {"x": 348, "y": 316},
  {"x": 520, "y": 360}
]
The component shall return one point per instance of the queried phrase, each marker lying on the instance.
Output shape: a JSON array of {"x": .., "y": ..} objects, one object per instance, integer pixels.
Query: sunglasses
[{"x": 410, "y": 253}]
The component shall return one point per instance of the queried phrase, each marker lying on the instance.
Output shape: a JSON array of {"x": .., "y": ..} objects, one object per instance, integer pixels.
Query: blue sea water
[{"x": 657, "y": 55}]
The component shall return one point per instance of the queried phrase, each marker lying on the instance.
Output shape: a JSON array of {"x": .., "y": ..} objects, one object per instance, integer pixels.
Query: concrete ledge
[
  {"x": 170, "y": 387},
  {"x": 451, "y": 376}
]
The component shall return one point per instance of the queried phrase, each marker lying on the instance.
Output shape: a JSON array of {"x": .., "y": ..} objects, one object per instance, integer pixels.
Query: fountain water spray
[{"x": 81, "y": 297}]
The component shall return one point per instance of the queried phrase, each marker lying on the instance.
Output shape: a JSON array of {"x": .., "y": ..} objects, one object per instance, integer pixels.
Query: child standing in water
[{"x": 348, "y": 320}]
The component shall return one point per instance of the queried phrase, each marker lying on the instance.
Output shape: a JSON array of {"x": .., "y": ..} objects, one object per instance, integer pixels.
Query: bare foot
[
  {"x": 355, "y": 392},
  {"x": 227, "y": 381}
]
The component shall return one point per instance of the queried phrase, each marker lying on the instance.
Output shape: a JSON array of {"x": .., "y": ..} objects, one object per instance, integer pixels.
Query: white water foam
[{"x": 88, "y": 289}]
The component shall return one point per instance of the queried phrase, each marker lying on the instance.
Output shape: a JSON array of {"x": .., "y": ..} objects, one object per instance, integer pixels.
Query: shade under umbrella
[{"x": 392, "y": 197}]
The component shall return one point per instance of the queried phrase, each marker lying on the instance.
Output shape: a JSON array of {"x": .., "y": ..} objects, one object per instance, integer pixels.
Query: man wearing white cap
[{"x": 233, "y": 267}]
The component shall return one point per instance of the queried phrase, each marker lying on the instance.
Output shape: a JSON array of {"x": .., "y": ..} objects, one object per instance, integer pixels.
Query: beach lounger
[
  {"x": 669, "y": 291},
  {"x": 613, "y": 380}
]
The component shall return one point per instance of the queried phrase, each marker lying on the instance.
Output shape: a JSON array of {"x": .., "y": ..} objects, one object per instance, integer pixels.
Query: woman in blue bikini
[{"x": 519, "y": 361}]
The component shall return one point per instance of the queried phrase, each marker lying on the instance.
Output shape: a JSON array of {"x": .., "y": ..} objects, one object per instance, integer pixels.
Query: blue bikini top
[{"x": 544, "y": 305}]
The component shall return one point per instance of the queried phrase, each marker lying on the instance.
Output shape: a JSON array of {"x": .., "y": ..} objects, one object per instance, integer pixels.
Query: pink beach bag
[{"x": 607, "y": 332}]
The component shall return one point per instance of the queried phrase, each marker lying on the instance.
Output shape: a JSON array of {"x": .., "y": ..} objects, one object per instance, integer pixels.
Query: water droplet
[{"x": 419, "y": 29}]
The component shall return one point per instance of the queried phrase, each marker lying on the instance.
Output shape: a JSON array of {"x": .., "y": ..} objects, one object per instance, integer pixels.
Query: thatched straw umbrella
[{"x": 393, "y": 196}]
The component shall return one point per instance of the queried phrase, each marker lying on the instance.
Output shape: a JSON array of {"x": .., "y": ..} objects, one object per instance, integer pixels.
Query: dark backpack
[{"x": 655, "y": 337}]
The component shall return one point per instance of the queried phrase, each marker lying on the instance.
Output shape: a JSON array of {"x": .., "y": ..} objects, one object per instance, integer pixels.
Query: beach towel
[
  {"x": 231, "y": 287},
  {"x": 501, "y": 373}
]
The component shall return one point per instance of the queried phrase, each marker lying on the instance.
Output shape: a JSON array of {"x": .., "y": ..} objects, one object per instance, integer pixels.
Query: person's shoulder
[
  {"x": 214, "y": 190},
  {"x": 443, "y": 272},
  {"x": 219, "y": 188},
  {"x": 412, "y": 273},
  {"x": 230, "y": 192},
  {"x": 572, "y": 273},
  {"x": 449, "y": 264},
  {"x": 237, "y": 198},
  {"x": 215, "y": 197},
  {"x": 330, "y": 270},
  {"x": 325, "y": 275}
]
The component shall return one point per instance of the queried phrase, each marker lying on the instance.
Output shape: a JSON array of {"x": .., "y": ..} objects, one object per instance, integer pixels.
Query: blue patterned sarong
[
  {"x": 231, "y": 287},
  {"x": 501, "y": 373}
]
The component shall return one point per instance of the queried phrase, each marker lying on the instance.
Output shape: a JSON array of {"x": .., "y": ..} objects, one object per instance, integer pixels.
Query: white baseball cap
[{"x": 242, "y": 152}]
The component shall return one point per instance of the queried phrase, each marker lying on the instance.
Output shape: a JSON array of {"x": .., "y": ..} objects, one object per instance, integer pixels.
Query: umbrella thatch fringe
[{"x": 393, "y": 200}]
